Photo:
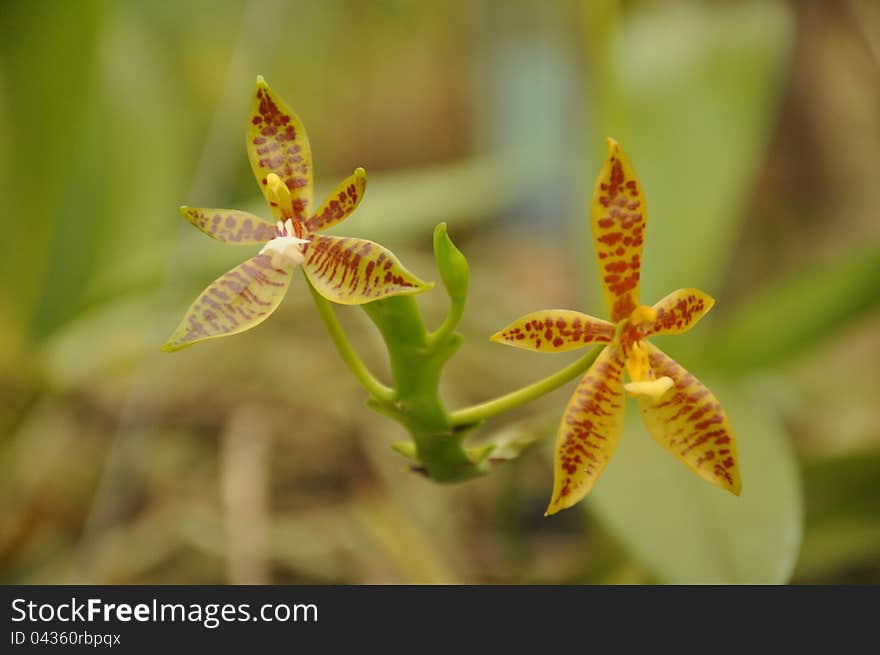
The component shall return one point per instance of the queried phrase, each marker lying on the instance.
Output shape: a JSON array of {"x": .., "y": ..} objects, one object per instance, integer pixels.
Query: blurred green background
[{"x": 754, "y": 126}]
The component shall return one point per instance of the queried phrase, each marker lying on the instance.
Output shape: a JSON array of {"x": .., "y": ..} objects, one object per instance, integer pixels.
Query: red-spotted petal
[
  {"x": 680, "y": 311},
  {"x": 689, "y": 422},
  {"x": 236, "y": 301},
  {"x": 618, "y": 221},
  {"x": 555, "y": 331},
  {"x": 342, "y": 202},
  {"x": 277, "y": 143},
  {"x": 353, "y": 271},
  {"x": 590, "y": 430},
  {"x": 230, "y": 225}
]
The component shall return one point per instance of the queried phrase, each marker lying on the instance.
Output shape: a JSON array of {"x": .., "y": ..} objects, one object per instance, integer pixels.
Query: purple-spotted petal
[
  {"x": 236, "y": 301},
  {"x": 277, "y": 143},
  {"x": 230, "y": 225}
]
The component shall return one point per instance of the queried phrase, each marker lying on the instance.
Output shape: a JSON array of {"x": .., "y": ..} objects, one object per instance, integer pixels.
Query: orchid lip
[
  {"x": 286, "y": 248},
  {"x": 653, "y": 389}
]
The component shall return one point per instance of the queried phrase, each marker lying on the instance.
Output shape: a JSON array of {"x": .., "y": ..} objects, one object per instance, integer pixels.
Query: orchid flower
[
  {"x": 680, "y": 413},
  {"x": 344, "y": 270}
]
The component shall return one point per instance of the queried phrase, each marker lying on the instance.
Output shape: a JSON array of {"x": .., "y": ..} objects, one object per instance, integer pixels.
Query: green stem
[
  {"x": 378, "y": 390},
  {"x": 490, "y": 408},
  {"x": 456, "y": 309},
  {"x": 416, "y": 365}
]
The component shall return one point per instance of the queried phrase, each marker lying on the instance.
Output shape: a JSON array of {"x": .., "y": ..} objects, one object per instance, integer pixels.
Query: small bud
[{"x": 454, "y": 269}]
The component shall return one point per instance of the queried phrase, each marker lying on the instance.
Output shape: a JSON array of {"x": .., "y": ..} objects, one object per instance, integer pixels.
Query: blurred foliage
[{"x": 754, "y": 127}]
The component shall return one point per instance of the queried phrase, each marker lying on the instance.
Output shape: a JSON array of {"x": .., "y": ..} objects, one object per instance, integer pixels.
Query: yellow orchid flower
[
  {"x": 344, "y": 270},
  {"x": 680, "y": 413}
]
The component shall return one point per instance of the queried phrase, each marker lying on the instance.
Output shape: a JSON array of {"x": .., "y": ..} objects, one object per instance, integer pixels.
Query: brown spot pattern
[
  {"x": 590, "y": 430},
  {"x": 691, "y": 424},
  {"x": 342, "y": 202},
  {"x": 680, "y": 310},
  {"x": 618, "y": 220},
  {"x": 555, "y": 330}
]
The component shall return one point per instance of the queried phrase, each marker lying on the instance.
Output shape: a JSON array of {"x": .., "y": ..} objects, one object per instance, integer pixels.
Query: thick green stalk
[{"x": 416, "y": 362}]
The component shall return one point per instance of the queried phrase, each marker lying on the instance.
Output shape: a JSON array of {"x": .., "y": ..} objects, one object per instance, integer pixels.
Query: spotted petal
[
  {"x": 353, "y": 271},
  {"x": 555, "y": 331},
  {"x": 342, "y": 202},
  {"x": 230, "y": 225},
  {"x": 680, "y": 310},
  {"x": 590, "y": 430},
  {"x": 277, "y": 143},
  {"x": 618, "y": 221},
  {"x": 234, "y": 302},
  {"x": 689, "y": 422}
]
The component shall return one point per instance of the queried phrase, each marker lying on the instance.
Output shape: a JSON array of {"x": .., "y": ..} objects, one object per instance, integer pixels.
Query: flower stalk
[
  {"x": 374, "y": 387},
  {"x": 417, "y": 357}
]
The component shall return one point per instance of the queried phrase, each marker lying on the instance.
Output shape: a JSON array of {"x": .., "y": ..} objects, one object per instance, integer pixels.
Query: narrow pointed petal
[
  {"x": 680, "y": 311},
  {"x": 236, "y": 301},
  {"x": 555, "y": 331},
  {"x": 230, "y": 225},
  {"x": 353, "y": 271},
  {"x": 342, "y": 202},
  {"x": 590, "y": 430},
  {"x": 689, "y": 422},
  {"x": 618, "y": 221},
  {"x": 277, "y": 143}
]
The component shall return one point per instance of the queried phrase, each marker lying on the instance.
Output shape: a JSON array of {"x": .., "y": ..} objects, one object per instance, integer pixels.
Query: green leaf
[
  {"x": 47, "y": 98},
  {"x": 688, "y": 532},
  {"x": 792, "y": 314},
  {"x": 462, "y": 192}
]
